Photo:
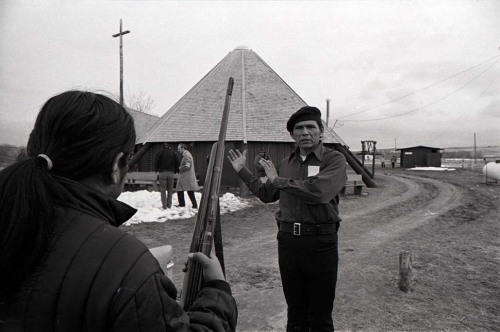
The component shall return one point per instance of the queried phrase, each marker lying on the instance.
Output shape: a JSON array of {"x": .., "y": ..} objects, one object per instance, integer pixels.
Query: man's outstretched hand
[
  {"x": 269, "y": 168},
  {"x": 237, "y": 159}
]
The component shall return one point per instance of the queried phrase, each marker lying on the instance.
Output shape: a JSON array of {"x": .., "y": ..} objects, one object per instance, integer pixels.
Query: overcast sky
[{"x": 402, "y": 73}]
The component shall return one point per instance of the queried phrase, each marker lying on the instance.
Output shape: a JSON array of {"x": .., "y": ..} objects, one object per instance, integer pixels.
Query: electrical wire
[
  {"x": 466, "y": 109},
  {"x": 432, "y": 103},
  {"x": 414, "y": 92}
]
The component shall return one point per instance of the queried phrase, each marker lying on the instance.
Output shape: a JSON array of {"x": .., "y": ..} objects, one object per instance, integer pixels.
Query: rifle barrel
[{"x": 208, "y": 212}]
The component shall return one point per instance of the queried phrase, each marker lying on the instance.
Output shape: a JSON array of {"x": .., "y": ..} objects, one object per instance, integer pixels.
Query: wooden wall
[{"x": 201, "y": 150}]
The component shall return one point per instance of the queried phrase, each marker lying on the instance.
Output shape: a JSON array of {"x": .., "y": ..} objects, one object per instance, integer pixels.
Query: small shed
[{"x": 420, "y": 156}]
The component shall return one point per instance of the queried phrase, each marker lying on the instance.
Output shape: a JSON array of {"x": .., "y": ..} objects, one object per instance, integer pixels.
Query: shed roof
[
  {"x": 142, "y": 122},
  {"x": 421, "y": 147},
  {"x": 261, "y": 104}
]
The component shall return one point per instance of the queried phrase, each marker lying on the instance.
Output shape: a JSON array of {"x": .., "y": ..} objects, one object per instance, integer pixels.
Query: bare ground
[{"x": 448, "y": 221}]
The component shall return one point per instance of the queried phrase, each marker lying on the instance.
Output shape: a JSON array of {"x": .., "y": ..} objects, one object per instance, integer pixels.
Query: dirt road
[{"x": 447, "y": 221}]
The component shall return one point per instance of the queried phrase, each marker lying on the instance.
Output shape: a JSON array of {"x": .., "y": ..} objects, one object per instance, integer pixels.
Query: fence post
[{"x": 405, "y": 271}]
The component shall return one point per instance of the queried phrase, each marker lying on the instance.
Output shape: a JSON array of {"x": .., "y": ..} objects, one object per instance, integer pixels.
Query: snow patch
[
  {"x": 431, "y": 169},
  {"x": 149, "y": 208}
]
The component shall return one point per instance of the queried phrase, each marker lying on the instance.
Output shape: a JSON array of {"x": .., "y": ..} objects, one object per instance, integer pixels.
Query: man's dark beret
[{"x": 304, "y": 114}]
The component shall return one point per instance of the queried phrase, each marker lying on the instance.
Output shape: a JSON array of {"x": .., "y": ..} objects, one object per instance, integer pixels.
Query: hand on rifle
[
  {"x": 211, "y": 266},
  {"x": 237, "y": 159}
]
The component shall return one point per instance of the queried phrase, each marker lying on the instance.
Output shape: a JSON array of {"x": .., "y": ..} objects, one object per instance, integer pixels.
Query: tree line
[{"x": 9, "y": 154}]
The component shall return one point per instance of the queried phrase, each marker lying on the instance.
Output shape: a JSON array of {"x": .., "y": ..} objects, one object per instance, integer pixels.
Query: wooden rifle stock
[{"x": 208, "y": 212}]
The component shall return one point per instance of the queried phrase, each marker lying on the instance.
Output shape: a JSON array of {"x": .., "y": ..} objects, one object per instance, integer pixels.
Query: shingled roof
[
  {"x": 142, "y": 122},
  {"x": 260, "y": 106}
]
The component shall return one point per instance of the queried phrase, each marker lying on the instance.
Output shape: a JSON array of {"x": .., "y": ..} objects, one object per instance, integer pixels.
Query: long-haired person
[{"x": 64, "y": 264}]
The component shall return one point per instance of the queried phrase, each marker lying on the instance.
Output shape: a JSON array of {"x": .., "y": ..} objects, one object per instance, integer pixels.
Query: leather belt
[{"x": 299, "y": 229}]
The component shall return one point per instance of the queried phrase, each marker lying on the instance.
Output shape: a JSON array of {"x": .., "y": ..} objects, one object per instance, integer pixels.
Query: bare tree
[{"x": 140, "y": 102}]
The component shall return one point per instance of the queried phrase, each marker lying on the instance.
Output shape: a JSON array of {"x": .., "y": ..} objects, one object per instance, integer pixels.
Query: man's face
[
  {"x": 307, "y": 134},
  {"x": 180, "y": 149}
]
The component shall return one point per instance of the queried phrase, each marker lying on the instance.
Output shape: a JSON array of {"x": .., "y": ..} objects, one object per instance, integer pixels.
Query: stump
[{"x": 405, "y": 271}]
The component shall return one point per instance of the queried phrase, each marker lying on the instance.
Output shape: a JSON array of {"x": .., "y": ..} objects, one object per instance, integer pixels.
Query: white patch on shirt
[{"x": 312, "y": 170}]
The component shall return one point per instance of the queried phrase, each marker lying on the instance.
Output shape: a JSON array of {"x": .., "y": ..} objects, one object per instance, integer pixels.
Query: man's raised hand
[
  {"x": 237, "y": 159},
  {"x": 269, "y": 168}
]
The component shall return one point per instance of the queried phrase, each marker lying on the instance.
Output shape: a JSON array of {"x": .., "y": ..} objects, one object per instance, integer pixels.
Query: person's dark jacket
[
  {"x": 167, "y": 160},
  {"x": 95, "y": 277},
  {"x": 308, "y": 190}
]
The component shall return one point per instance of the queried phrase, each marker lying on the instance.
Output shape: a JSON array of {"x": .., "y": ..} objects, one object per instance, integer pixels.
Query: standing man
[
  {"x": 307, "y": 187},
  {"x": 187, "y": 177},
  {"x": 393, "y": 161},
  {"x": 166, "y": 165},
  {"x": 382, "y": 161}
]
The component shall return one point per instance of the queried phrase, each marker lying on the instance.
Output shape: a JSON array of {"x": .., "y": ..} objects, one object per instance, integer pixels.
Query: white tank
[{"x": 492, "y": 170}]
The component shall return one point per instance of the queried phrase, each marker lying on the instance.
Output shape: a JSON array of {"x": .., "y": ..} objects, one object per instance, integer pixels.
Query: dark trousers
[
  {"x": 166, "y": 180},
  {"x": 308, "y": 267},
  {"x": 180, "y": 198}
]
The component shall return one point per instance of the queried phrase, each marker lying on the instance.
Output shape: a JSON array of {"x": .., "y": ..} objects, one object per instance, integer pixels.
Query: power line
[
  {"x": 466, "y": 109},
  {"x": 432, "y": 103},
  {"x": 414, "y": 92}
]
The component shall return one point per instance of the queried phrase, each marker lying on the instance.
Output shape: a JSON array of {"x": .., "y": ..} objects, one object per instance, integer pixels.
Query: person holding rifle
[
  {"x": 64, "y": 263},
  {"x": 307, "y": 186}
]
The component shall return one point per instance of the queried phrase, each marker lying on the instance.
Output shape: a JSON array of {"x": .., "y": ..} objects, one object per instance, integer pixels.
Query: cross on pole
[{"x": 120, "y": 34}]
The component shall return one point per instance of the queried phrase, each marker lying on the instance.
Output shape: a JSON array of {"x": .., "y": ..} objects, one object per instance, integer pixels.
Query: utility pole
[
  {"x": 474, "y": 148},
  {"x": 327, "y": 111},
  {"x": 120, "y": 34}
]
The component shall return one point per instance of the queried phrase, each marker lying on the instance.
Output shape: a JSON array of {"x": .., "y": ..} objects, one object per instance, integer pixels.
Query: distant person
[
  {"x": 166, "y": 165},
  {"x": 64, "y": 263},
  {"x": 382, "y": 161},
  {"x": 259, "y": 170},
  {"x": 393, "y": 161},
  {"x": 187, "y": 177},
  {"x": 307, "y": 188}
]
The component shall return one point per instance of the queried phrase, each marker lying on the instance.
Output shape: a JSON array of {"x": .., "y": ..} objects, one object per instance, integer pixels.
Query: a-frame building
[
  {"x": 260, "y": 107},
  {"x": 142, "y": 122}
]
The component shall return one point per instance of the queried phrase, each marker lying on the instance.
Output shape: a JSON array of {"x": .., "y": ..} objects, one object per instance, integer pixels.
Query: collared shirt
[{"x": 308, "y": 190}]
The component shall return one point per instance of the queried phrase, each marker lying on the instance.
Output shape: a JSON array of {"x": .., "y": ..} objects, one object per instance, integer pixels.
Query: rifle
[{"x": 205, "y": 231}]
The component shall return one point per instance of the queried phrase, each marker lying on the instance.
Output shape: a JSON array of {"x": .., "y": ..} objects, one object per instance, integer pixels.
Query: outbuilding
[{"x": 420, "y": 156}]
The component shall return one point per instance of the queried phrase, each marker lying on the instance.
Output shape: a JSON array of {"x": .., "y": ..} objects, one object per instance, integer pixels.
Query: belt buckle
[{"x": 296, "y": 228}]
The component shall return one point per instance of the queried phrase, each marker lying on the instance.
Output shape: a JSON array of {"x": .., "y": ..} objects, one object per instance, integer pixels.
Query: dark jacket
[
  {"x": 95, "y": 277},
  {"x": 308, "y": 190},
  {"x": 167, "y": 160}
]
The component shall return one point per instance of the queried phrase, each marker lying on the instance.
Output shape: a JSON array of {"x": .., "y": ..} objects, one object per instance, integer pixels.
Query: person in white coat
[{"x": 187, "y": 177}]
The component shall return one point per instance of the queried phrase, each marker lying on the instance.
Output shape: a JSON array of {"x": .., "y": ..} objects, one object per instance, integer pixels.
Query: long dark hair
[{"x": 81, "y": 132}]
